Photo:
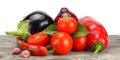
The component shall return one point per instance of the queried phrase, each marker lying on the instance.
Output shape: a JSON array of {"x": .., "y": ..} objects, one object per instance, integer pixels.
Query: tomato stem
[
  {"x": 97, "y": 47},
  {"x": 50, "y": 51}
]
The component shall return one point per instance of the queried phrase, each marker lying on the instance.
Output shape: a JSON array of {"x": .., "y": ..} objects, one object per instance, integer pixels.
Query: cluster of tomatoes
[
  {"x": 63, "y": 40},
  {"x": 60, "y": 43}
]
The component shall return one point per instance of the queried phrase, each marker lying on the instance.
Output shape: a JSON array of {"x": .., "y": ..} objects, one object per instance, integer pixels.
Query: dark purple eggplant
[
  {"x": 65, "y": 12},
  {"x": 31, "y": 24},
  {"x": 39, "y": 20}
]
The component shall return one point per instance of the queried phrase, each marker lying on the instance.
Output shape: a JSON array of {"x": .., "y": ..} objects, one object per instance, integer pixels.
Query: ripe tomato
[
  {"x": 80, "y": 43},
  {"x": 67, "y": 24},
  {"x": 62, "y": 42},
  {"x": 39, "y": 39}
]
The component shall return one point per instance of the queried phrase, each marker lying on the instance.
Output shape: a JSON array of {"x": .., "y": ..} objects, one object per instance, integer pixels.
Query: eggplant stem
[
  {"x": 22, "y": 30},
  {"x": 11, "y": 33}
]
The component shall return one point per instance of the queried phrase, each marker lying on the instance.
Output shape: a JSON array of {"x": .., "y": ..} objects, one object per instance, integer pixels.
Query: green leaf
[
  {"x": 81, "y": 31},
  {"x": 52, "y": 29}
]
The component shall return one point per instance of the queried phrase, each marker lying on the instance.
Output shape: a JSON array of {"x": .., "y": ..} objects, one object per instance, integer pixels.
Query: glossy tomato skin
[
  {"x": 67, "y": 24},
  {"x": 62, "y": 42},
  {"x": 80, "y": 43},
  {"x": 39, "y": 39}
]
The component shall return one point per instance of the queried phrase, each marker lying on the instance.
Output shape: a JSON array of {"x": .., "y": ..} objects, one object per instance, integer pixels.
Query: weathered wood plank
[{"x": 111, "y": 53}]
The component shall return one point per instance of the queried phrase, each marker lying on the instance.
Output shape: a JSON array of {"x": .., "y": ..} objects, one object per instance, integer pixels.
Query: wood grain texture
[{"x": 110, "y": 53}]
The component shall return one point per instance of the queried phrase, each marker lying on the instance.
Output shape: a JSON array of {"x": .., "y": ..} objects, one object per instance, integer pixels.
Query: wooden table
[{"x": 111, "y": 53}]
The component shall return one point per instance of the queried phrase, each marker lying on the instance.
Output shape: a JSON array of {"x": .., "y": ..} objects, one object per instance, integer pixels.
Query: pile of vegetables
[{"x": 38, "y": 34}]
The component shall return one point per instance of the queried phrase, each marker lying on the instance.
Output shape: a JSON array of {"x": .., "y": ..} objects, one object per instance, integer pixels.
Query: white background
[{"x": 107, "y": 12}]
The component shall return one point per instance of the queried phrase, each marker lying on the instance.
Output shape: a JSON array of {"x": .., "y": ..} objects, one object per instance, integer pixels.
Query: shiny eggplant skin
[
  {"x": 63, "y": 13},
  {"x": 39, "y": 20}
]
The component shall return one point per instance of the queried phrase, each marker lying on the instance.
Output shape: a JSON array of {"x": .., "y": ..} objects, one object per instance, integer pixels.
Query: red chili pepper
[
  {"x": 65, "y": 12},
  {"x": 35, "y": 49},
  {"x": 98, "y": 37}
]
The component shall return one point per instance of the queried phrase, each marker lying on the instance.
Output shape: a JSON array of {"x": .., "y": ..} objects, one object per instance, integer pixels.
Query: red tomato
[
  {"x": 62, "y": 42},
  {"x": 80, "y": 43},
  {"x": 34, "y": 49},
  {"x": 67, "y": 24},
  {"x": 39, "y": 39}
]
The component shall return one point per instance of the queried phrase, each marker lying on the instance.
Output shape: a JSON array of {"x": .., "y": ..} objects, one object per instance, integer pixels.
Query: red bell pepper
[{"x": 98, "y": 36}]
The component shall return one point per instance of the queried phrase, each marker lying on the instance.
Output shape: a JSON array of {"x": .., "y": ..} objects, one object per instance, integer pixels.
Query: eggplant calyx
[{"x": 22, "y": 30}]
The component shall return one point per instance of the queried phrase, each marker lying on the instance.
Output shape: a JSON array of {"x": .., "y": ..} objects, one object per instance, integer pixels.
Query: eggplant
[
  {"x": 65, "y": 12},
  {"x": 39, "y": 20},
  {"x": 31, "y": 24}
]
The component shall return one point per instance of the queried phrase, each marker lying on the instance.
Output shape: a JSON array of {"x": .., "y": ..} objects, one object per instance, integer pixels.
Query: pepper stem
[{"x": 97, "y": 47}]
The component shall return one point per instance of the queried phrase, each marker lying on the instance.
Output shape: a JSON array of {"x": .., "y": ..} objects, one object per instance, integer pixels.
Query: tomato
[
  {"x": 39, "y": 39},
  {"x": 62, "y": 42},
  {"x": 34, "y": 49},
  {"x": 80, "y": 43},
  {"x": 67, "y": 24}
]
